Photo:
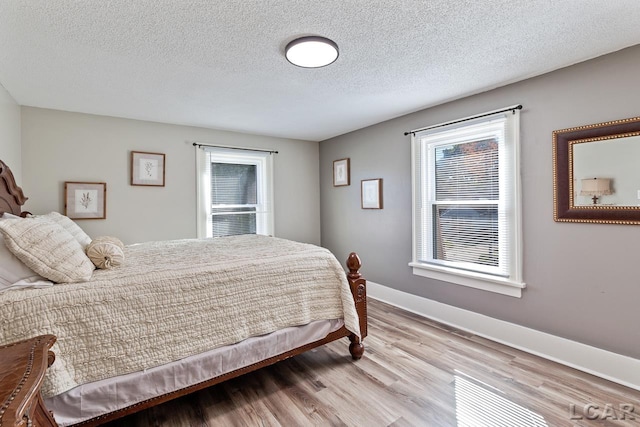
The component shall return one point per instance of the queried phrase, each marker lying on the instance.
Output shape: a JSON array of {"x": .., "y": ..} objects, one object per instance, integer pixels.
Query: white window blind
[
  {"x": 466, "y": 199},
  {"x": 235, "y": 192}
]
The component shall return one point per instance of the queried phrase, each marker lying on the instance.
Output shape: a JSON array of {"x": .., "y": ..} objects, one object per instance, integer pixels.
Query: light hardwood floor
[{"x": 415, "y": 372}]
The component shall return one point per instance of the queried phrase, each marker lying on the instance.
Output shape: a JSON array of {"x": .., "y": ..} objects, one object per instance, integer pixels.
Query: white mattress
[{"x": 97, "y": 398}]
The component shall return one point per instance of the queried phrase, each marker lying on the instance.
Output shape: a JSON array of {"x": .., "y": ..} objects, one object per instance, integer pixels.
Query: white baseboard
[{"x": 602, "y": 363}]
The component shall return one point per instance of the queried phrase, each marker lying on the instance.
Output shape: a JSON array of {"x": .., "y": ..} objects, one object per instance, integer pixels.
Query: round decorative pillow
[
  {"x": 110, "y": 239},
  {"x": 106, "y": 252}
]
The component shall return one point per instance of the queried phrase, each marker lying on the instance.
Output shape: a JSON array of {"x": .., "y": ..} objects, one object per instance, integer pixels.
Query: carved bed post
[
  {"x": 359, "y": 290},
  {"x": 11, "y": 196}
]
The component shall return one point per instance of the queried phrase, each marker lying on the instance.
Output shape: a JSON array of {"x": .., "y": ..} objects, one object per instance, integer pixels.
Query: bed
[{"x": 174, "y": 317}]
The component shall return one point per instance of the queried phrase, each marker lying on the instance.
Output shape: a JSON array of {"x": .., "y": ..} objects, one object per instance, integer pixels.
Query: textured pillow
[
  {"x": 47, "y": 248},
  {"x": 14, "y": 274},
  {"x": 68, "y": 224},
  {"x": 106, "y": 252}
]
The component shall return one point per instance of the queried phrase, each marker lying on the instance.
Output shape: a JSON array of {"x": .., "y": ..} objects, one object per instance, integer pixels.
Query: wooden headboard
[{"x": 11, "y": 196}]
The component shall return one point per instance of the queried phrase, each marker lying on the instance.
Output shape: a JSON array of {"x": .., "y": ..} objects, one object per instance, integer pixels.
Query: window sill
[{"x": 469, "y": 279}]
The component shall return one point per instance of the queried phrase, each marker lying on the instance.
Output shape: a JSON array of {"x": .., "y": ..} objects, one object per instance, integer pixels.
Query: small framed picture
[
  {"x": 147, "y": 168},
  {"x": 371, "y": 196},
  {"x": 85, "y": 200},
  {"x": 341, "y": 173}
]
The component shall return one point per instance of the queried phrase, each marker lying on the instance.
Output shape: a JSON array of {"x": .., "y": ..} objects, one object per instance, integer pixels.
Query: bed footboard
[{"x": 359, "y": 290}]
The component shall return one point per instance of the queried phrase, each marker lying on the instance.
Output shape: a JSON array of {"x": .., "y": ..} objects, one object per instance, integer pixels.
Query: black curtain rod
[
  {"x": 517, "y": 107},
  {"x": 195, "y": 144}
]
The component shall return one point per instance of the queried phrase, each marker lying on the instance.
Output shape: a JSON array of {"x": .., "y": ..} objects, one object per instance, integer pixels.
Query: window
[
  {"x": 234, "y": 192},
  {"x": 466, "y": 203}
]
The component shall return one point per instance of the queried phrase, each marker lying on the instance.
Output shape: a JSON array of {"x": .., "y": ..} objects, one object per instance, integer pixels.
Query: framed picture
[
  {"x": 147, "y": 168},
  {"x": 371, "y": 196},
  {"x": 341, "y": 173},
  {"x": 85, "y": 200}
]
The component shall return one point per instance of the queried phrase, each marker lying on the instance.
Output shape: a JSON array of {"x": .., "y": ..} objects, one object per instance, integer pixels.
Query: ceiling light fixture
[{"x": 311, "y": 52}]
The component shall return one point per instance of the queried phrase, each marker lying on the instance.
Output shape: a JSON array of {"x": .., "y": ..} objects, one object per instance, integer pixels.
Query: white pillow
[
  {"x": 7, "y": 215},
  {"x": 14, "y": 274},
  {"x": 68, "y": 224},
  {"x": 47, "y": 248}
]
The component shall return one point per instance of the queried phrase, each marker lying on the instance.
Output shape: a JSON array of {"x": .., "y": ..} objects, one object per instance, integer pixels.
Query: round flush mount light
[{"x": 311, "y": 52}]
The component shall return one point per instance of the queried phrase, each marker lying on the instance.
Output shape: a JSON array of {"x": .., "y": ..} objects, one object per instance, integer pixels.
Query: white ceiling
[{"x": 220, "y": 64}]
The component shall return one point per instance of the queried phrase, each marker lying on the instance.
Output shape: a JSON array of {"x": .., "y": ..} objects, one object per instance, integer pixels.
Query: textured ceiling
[{"x": 220, "y": 64}]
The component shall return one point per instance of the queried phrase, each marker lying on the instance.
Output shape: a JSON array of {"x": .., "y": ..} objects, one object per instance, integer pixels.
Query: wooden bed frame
[{"x": 11, "y": 201}]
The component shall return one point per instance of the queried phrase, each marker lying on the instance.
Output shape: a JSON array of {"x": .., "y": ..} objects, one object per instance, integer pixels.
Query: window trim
[
  {"x": 264, "y": 162},
  {"x": 512, "y": 285}
]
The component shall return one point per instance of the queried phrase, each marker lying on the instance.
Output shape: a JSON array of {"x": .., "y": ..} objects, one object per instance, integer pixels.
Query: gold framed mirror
[{"x": 596, "y": 173}]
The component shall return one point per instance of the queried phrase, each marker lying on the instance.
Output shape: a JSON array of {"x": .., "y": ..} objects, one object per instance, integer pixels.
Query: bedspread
[{"x": 173, "y": 299}]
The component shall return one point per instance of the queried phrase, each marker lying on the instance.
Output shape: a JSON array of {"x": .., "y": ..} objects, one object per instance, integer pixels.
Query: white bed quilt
[{"x": 174, "y": 299}]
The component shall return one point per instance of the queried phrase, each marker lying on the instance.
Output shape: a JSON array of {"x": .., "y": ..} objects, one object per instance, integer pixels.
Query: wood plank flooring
[{"x": 415, "y": 372}]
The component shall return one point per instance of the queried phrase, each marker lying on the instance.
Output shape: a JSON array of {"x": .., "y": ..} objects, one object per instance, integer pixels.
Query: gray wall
[
  {"x": 581, "y": 279},
  {"x": 10, "y": 134},
  {"x": 61, "y": 146}
]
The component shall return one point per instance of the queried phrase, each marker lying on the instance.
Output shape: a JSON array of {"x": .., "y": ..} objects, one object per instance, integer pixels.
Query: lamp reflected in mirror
[{"x": 596, "y": 187}]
